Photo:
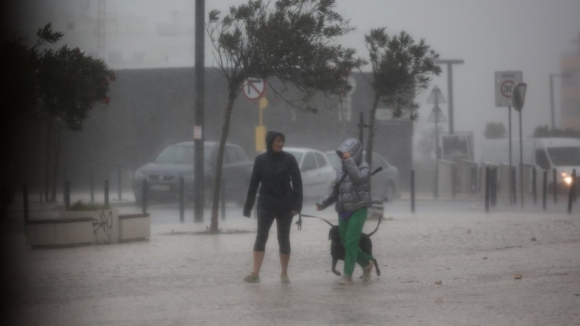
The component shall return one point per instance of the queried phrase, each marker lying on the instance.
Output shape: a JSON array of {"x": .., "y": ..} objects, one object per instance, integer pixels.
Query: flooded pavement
[{"x": 451, "y": 267}]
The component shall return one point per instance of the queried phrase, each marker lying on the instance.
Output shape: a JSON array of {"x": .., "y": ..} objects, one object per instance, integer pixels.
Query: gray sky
[{"x": 489, "y": 35}]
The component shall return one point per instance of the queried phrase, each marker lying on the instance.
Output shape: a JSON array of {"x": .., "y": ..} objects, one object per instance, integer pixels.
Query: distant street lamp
[
  {"x": 552, "y": 95},
  {"x": 450, "y": 64}
]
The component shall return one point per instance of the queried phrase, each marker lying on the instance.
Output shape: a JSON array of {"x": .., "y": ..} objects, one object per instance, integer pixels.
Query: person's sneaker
[
  {"x": 284, "y": 278},
  {"x": 252, "y": 278},
  {"x": 367, "y": 271},
  {"x": 345, "y": 280}
]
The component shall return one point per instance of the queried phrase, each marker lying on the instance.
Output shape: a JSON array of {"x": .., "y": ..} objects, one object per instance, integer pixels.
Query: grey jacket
[{"x": 355, "y": 191}]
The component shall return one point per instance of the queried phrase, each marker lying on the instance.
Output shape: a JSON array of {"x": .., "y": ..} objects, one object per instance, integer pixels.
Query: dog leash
[
  {"x": 299, "y": 222},
  {"x": 306, "y": 215}
]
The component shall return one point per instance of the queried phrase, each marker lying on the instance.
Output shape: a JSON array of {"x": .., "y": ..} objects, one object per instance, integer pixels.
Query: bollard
[
  {"x": 514, "y": 184},
  {"x": 571, "y": 193},
  {"x": 492, "y": 187},
  {"x": 223, "y": 199},
  {"x": 66, "y": 195},
  {"x": 575, "y": 181},
  {"x": 181, "y": 199},
  {"x": 555, "y": 186},
  {"x": 487, "y": 177},
  {"x": 107, "y": 193},
  {"x": 544, "y": 189},
  {"x": 92, "y": 185},
  {"x": 413, "y": 191},
  {"x": 25, "y": 202},
  {"x": 144, "y": 196},
  {"x": 436, "y": 185},
  {"x": 534, "y": 186},
  {"x": 473, "y": 180},
  {"x": 119, "y": 181},
  {"x": 453, "y": 179}
]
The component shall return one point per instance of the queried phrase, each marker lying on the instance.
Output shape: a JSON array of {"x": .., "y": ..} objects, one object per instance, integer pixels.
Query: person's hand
[
  {"x": 294, "y": 213},
  {"x": 318, "y": 207},
  {"x": 345, "y": 155}
]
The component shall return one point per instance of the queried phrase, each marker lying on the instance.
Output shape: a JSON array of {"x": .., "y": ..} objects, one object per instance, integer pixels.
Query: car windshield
[
  {"x": 297, "y": 155},
  {"x": 563, "y": 156},
  {"x": 333, "y": 160},
  {"x": 181, "y": 154}
]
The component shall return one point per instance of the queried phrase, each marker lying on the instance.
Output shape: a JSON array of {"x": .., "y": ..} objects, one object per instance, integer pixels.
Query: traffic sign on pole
[
  {"x": 254, "y": 88},
  {"x": 504, "y": 84},
  {"x": 436, "y": 97},
  {"x": 436, "y": 116}
]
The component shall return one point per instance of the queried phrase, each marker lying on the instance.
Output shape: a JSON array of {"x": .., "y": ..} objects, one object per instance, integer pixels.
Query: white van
[{"x": 562, "y": 154}]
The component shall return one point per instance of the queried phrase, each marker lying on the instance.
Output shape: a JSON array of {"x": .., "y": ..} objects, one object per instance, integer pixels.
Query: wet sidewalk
[{"x": 437, "y": 269}]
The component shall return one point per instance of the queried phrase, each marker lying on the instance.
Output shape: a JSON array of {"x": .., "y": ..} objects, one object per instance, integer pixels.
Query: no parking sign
[
  {"x": 254, "y": 88},
  {"x": 505, "y": 81}
]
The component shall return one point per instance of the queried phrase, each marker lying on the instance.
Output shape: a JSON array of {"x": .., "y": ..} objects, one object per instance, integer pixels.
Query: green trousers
[{"x": 350, "y": 231}]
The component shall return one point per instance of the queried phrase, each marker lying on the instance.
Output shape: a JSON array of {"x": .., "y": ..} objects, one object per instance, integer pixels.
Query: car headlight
[{"x": 566, "y": 178}]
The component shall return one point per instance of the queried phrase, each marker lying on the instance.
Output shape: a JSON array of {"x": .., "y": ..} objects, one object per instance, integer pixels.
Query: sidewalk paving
[{"x": 183, "y": 277}]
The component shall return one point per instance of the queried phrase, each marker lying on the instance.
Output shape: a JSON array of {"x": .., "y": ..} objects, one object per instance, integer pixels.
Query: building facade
[{"x": 570, "y": 94}]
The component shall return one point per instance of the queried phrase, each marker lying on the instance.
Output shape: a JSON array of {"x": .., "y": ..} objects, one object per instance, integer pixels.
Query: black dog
[{"x": 337, "y": 250}]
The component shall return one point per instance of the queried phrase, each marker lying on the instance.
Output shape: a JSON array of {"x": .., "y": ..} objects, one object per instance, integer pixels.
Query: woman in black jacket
[{"x": 278, "y": 175}]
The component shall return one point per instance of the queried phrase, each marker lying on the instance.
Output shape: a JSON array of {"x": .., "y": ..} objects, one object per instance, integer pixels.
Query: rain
[{"x": 473, "y": 228}]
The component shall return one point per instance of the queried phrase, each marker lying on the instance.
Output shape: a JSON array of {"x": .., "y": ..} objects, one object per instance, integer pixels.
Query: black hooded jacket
[{"x": 278, "y": 176}]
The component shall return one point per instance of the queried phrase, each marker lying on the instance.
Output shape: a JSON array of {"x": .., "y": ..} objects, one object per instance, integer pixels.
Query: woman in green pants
[{"x": 352, "y": 200}]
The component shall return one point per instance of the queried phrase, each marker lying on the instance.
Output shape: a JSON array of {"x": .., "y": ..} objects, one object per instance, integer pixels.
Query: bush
[{"x": 82, "y": 206}]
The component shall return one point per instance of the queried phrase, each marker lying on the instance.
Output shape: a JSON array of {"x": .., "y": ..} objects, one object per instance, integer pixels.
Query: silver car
[
  {"x": 317, "y": 173},
  {"x": 176, "y": 161},
  {"x": 384, "y": 185}
]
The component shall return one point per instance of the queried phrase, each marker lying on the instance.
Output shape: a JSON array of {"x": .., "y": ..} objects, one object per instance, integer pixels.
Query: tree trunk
[
  {"x": 370, "y": 136},
  {"x": 219, "y": 161},
  {"x": 46, "y": 168},
  {"x": 56, "y": 142}
]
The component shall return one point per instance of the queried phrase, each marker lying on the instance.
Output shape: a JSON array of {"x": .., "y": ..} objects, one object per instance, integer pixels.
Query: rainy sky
[{"x": 489, "y": 35}]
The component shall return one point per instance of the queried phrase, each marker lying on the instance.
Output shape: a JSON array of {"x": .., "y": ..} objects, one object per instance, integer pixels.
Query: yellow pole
[
  {"x": 261, "y": 129},
  {"x": 263, "y": 104}
]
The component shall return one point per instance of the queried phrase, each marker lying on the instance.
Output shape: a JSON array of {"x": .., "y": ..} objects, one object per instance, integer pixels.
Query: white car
[
  {"x": 384, "y": 184},
  {"x": 317, "y": 173}
]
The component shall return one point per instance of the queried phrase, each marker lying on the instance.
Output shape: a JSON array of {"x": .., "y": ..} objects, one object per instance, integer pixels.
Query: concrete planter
[
  {"x": 105, "y": 224},
  {"x": 134, "y": 227},
  {"x": 59, "y": 232}
]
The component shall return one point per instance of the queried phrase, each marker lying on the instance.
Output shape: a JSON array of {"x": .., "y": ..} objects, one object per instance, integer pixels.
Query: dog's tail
[{"x": 380, "y": 218}]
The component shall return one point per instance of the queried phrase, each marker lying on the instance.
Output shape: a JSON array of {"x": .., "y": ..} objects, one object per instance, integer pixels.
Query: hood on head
[
  {"x": 270, "y": 138},
  {"x": 352, "y": 146}
]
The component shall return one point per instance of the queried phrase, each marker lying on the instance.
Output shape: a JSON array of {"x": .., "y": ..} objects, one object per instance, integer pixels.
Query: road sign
[
  {"x": 436, "y": 116},
  {"x": 254, "y": 88},
  {"x": 519, "y": 95},
  {"x": 504, "y": 85},
  {"x": 436, "y": 97}
]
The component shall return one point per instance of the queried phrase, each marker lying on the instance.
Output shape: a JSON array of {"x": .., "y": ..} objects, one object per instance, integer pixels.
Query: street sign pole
[
  {"x": 450, "y": 64},
  {"x": 198, "y": 137},
  {"x": 436, "y": 188},
  {"x": 510, "y": 150},
  {"x": 435, "y": 98},
  {"x": 505, "y": 82},
  {"x": 518, "y": 97},
  {"x": 254, "y": 90}
]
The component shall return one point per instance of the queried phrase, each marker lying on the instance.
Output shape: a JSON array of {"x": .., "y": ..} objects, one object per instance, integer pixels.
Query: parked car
[
  {"x": 385, "y": 184},
  {"x": 176, "y": 160},
  {"x": 317, "y": 173}
]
